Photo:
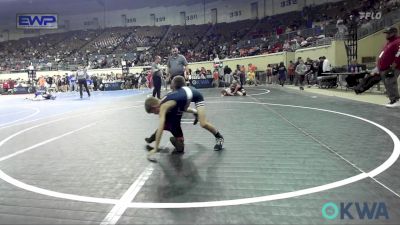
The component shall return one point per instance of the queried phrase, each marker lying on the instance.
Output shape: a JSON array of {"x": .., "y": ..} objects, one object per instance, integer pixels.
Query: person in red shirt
[
  {"x": 389, "y": 66},
  {"x": 11, "y": 83},
  {"x": 215, "y": 78},
  {"x": 149, "y": 79},
  {"x": 291, "y": 73}
]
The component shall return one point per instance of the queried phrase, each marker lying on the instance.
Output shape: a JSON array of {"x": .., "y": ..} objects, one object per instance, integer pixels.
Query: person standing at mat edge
[
  {"x": 82, "y": 75},
  {"x": 389, "y": 66},
  {"x": 157, "y": 74},
  {"x": 177, "y": 64}
]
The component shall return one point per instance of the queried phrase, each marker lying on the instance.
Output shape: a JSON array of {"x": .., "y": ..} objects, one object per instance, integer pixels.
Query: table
[{"x": 340, "y": 76}]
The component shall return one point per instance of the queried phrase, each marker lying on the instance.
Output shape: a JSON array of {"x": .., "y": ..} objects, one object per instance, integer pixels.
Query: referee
[
  {"x": 177, "y": 64},
  {"x": 157, "y": 74},
  {"x": 82, "y": 75}
]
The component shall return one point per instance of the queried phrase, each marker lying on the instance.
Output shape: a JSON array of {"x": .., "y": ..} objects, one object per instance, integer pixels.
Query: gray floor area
[{"x": 95, "y": 148}]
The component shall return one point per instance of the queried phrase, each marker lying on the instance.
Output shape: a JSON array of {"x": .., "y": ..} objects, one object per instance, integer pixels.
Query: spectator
[
  {"x": 342, "y": 30},
  {"x": 228, "y": 78},
  {"x": 215, "y": 78},
  {"x": 72, "y": 82},
  {"x": 291, "y": 69},
  {"x": 320, "y": 66},
  {"x": 42, "y": 83},
  {"x": 282, "y": 73},
  {"x": 275, "y": 72},
  {"x": 326, "y": 65},
  {"x": 296, "y": 76},
  {"x": 268, "y": 72},
  {"x": 252, "y": 74},
  {"x": 310, "y": 71},
  {"x": 49, "y": 81},
  {"x": 242, "y": 75},
  {"x": 301, "y": 70}
]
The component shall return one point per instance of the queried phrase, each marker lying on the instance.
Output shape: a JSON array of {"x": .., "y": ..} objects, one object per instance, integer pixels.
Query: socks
[{"x": 218, "y": 135}]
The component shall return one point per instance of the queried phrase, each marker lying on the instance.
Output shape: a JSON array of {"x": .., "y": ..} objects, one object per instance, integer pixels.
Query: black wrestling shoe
[
  {"x": 152, "y": 158},
  {"x": 219, "y": 143},
  {"x": 179, "y": 146},
  {"x": 196, "y": 119},
  {"x": 149, "y": 148},
  {"x": 150, "y": 139}
]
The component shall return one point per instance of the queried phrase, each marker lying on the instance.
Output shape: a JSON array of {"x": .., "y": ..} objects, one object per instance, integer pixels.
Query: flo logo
[
  {"x": 370, "y": 15},
  {"x": 355, "y": 210}
]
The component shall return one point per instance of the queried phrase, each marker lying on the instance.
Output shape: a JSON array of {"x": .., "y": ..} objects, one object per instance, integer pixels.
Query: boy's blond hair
[{"x": 150, "y": 103}]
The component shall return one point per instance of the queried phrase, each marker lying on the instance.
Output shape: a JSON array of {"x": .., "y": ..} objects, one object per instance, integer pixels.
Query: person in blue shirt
[
  {"x": 282, "y": 71},
  {"x": 170, "y": 110},
  {"x": 72, "y": 82}
]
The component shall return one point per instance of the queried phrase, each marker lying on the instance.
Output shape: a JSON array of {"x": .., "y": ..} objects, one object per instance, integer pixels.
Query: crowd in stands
[
  {"x": 69, "y": 82},
  {"x": 314, "y": 25},
  {"x": 187, "y": 37},
  {"x": 106, "y": 42},
  {"x": 300, "y": 73}
]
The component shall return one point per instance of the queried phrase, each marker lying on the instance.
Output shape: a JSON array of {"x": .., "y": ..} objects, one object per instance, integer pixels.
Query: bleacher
[{"x": 314, "y": 26}]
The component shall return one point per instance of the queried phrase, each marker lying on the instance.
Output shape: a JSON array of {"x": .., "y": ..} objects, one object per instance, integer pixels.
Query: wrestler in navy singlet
[{"x": 183, "y": 97}]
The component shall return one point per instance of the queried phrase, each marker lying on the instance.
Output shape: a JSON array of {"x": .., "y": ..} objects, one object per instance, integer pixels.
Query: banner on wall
[{"x": 37, "y": 21}]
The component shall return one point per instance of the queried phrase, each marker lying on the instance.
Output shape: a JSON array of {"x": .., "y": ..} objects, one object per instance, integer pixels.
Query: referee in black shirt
[{"x": 157, "y": 74}]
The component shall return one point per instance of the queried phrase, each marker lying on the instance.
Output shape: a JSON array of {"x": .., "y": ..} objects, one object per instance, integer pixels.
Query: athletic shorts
[
  {"x": 198, "y": 98},
  {"x": 173, "y": 125}
]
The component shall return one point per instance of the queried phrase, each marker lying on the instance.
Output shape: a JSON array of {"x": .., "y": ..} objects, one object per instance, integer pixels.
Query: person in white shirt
[
  {"x": 342, "y": 29},
  {"x": 286, "y": 46},
  {"x": 326, "y": 65}
]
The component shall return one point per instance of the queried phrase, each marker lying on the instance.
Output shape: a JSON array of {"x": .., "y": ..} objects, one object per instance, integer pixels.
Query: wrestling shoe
[
  {"x": 196, "y": 119},
  {"x": 152, "y": 157},
  {"x": 150, "y": 139},
  {"x": 179, "y": 146},
  {"x": 218, "y": 144}
]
